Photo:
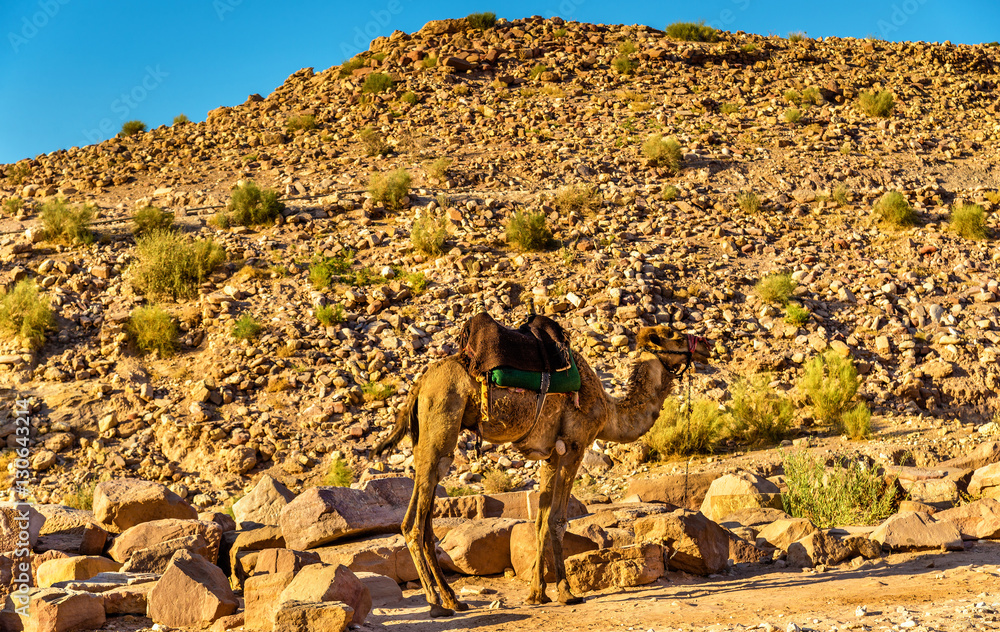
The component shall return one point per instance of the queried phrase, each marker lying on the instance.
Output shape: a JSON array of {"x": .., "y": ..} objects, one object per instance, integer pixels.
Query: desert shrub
[
  {"x": 559, "y": 33},
  {"x": 729, "y": 108},
  {"x": 893, "y": 210},
  {"x": 131, "y": 128},
  {"x": 13, "y": 205},
  {"x": 377, "y": 82},
  {"x": 578, "y": 199},
  {"x": 811, "y": 95},
  {"x": 306, "y": 122},
  {"x": 878, "y": 104},
  {"x": 373, "y": 142},
  {"x": 839, "y": 194},
  {"x": 528, "y": 231},
  {"x": 410, "y": 97},
  {"x": 681, "y": 432},
  {"x": 663, "y": 152},
  {"x": 339, "y": 474},
  {"x": 482, "y": 21},
  {"x": 151, "y": 218},
  {"x": 792, "y": 115},
  {"x": 63, "y": 224},
  {"x": 670, "y": 193},
  {"x": 19, "y": 173},
  {"x": 249, "y": 205},
  {"x": 969, "y": 221},
  {"x": 459, "y": 490},
  {"x": 857, "y": 422},
  {"x": 328, "y": 315},
  {"x": 775, "y": 288},
  {"x": 626, "y": 47},
  {"x": 847, "y": 494},
  {"x": 439, "y": 168},
  {"x": 389, "y": 190},
  {"x": 429, "y": 62},
  {"x": 795, "y": 314},
  {"x": 246, "y": 328},
  {"x": 748, "y": 202},
  {"x": 497, "y": 481},
  {"x": 82, "y": 496},
  {"x": 758, "y": 413},
  {"x": 180, "y": 119},
  {"x": 796, "y": 36},
  {"x": 429, "y": 234},
  {"x": 324, "y": 272},
  {"x": 749, "y": 47},
  {"x": 416, "y": 280},
  {"x": 168, "y": 265},
  {"x": 537, "y": 70},
  {"x": 151, "y": 329},
  {"x": 377, "y": 391},
  {"x": 623, "y": 65},
  {"x": 25, "y": 314},
  {"x": 830, "y": 382},
  {"x": 692, "y": 32}
]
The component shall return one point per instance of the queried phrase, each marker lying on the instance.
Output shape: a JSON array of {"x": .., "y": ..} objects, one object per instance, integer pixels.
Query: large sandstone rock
[
  {"x": 514, "y": 505},
  {"x": 917, "y": 530},
  {"x": 818, "y": 547},
  {"x": 385, "y": 593},
  {"x": 240, "y": 550},
  {"x": 71, "y": 568},
  {"x": 479, "y": 547},
  {"x": 675, "y": 489},
  {"x": 261, "y": 594},
  {"x": 129, "y": 599},
  {"x": 298, "y": 616},
  {"x": 694, "y": 543},
  {"x": 741, "y": 490},
  {"x": 979, "y": 520},
  {"x": 523, "y": 548},
  {"x": 154, "y": 532},
  {"x": 156, "y": 558},
  {"x": 781, "y": 533},
  {"x": 123, "y": 503},
  {"x": 983, "y": 454},
  {"x": 264, "y": 503},
  {"x": 20, "y": 525},
  {"x": 753, "y": 517},
  {"x": 985, "y": 481},
  {"x": 58, "y": 610},
  {"x": 615, "y": 568},
  {"x": 322, "y": 582},
  {"x": 284, "y": 560},
  {"x": 63, "y": 519},
  {"x": 193, "y": 592},
  {"x": 385, "y": 555}
]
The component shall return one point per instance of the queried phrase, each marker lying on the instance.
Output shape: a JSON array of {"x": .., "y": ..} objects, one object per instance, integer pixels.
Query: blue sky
[{"x": 73, "y": 71}]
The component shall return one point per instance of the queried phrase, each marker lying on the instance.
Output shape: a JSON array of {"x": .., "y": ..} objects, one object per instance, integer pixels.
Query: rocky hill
[{"x": 536, "y": 115}]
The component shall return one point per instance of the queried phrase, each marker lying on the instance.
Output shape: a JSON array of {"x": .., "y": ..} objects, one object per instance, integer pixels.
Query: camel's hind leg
[
  {"x": 447, "y": 593},
  {"x": 414, "y": 528},
  {"x": 543, "y": 533}
]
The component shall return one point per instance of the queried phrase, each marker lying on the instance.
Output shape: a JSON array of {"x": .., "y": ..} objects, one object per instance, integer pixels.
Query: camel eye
[{"x": 655, "y": 340}]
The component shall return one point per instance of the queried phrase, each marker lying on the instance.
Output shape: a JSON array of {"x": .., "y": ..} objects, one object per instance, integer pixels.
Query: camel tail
[{"x": 406, "y": 421}]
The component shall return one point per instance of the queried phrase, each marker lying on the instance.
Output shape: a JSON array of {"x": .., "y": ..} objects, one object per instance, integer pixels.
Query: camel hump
[{"x": 540, "y": 345}]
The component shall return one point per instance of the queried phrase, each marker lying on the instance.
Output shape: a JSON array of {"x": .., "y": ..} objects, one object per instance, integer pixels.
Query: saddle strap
[{"x": 542, "y": 392}]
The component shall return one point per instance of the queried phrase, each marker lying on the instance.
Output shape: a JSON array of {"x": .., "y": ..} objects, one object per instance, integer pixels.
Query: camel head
[{"x": 674, "y": 350}]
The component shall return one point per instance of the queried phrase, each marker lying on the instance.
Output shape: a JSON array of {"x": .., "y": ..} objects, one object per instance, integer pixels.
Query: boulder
[
  {"x": 298, "y": 616},
  {"x": 818, "y": 547},
  {"x": 740, "y": 490},
  {"x": 20, "y": 525},
  {"x": 192, "y": 593},
  {"x": 384, "y": 592},
  {"x": 781, "y": 533},
  {"x": 156, "y": 558},
  {"x": 71, "y": 568},
  {"x": 323, "y": 582},
  {"x": 223, "y": 520},
  {"x": 264, "y": 503},
  {"x": 615, "y": 568},
  {"x": 261, "y": 594},
  {"x": 479, "y": 547},
  {"x": 753, "y": 517},
  {"x": 676, "y": 489},
  {"x": 123, "y": 503},
  {"x": 514, "y": 505},
  {"x": 130, "y": 599},
  {"x": 979, "y": 520},
  {"x": 284, "y": 560},
  {"x": 58, "y": 610},
  {"x": 983, "y": 454},
  {"x": 618, "y": 515},
  {"x": 985, "y": 481},
  {"x": 154, "y": 532},
  {"x": 244, "y": 548},
  {"x": 63, "y": 519},
  {"x": 523, "y": 548},
  {"x": 917, "y": 530},
  {"x": 694, "y": 543},
  {"x": 384, "y": 555}
]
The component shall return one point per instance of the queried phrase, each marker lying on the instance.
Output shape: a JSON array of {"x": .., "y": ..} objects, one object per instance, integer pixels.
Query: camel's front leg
[
  {"x": 565, "y": 477},
  {"x": 543, "y": 534}
]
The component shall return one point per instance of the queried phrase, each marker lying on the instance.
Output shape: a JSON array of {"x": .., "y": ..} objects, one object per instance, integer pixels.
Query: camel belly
[{"x": 512, "y": 419}]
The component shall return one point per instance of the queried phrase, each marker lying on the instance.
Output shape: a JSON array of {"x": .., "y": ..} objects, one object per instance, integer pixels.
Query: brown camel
[{"x": 447, "y": 400}]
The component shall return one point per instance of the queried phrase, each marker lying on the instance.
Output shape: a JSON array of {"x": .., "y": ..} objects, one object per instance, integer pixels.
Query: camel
[{"x": 446, "y": 400}]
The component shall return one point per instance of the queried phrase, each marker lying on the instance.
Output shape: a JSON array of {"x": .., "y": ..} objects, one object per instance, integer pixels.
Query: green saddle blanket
[{"x": 566, "y": 381}]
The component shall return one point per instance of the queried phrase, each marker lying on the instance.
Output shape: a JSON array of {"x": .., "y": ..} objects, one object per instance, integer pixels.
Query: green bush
[
  {"x": 82, "y": 496},
  {"x": 340, "y": 474},
  {"x": 389, "y": 190},
  {"x": 306, "y": 122},
  {"x": 429, "y": 62},
  {"x": 559, "y": 33},
  {"x": 857, "y": 422},
  {"x": 180, "y": 119},
  {"x": 151, "y": 328},
  {"x": 839, "y": 194},
  {"x": 729, "y": 108},
  {"x": 676, "y": 432},
  {"x": 692, "y": 32},
  {"x": 25, "y": 314},
  {"x": 580, "y": 199},
  {"x": 878, "y": 104},
  {"x": 775, "y": 288},
  {"x": 893, "y": 210},
  {"x": 847, "y": 494},
  {"x": 410, "y": 97},
  {"x": 748, "y": 201},
  {"x": 439, "y": 168},
  {"x": 792, "y": 115},
  {"x": 796, "y": 36},
  {"x": 670, "y": 193},
  {"x": 528, "y": 231},
  {"x": 429, "y": 234},
  {"x": 348, "y": 67},
  {"x": 326, "y": 271},
  {"x": 249, "y": 205},
  {"x": 377, "y": 82},
  {"x": 537, "y": 70},
  {"x": 377, "y": 391},
  {"x": 168, "y": 265},
  {"x": 663, "y": 152},
  {"x": 969, "y": 221},
  {"x": 623, "y": 65},
  {"x": 246, "y": 328},
  {"x": 131, "y": 128},
  {"x": 830, "y": 383},
  {"x": 330, "y": 314},
  {"x": 13, "y": 205},
  {"x": 497, "y": 481},
  {"x": 373, "y": 142},
  {"x": 63, "y": 224},
  {"x": 482, "y": 21},
  {"x": 795, "y": 314},
  {"x": 758, "y": 414},
  {"x": 151, "y": 218},
  {"x": 19, "y": 173}
]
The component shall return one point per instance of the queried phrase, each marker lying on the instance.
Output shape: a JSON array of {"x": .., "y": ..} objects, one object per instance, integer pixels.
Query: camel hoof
[
  {"x": 570, "y": 600},
  {"x": 539, "y": 599},
  {"x": 440, "y": 611},
  {"x": 461, "y": 606}
]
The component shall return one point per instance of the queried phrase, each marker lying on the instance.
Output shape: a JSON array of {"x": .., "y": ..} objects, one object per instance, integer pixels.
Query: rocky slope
[{"x": 916, "y": 308}]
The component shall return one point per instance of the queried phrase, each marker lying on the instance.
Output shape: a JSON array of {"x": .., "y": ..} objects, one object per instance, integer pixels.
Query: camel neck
[{"x": 634, "y": 414}]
